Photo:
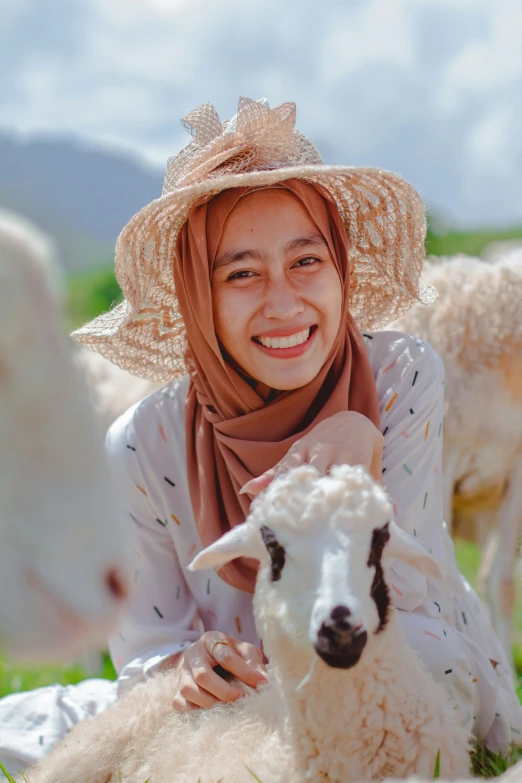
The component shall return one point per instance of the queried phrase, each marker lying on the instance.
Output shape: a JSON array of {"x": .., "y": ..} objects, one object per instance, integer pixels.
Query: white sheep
[
  {"x": 498, "y": 249},
  {"x": 64, "y": 574},
  {"x": 476, "y": 328},
  {"x": 347, "y": 697},
  {"x": 111, "y": 389}
]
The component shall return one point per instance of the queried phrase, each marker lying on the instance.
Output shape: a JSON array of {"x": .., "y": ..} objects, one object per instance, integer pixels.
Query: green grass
[
  {"x": 6, "y": 774},
  {"x": 436, "y": 770},
  {"x": 15, "y": 678},
  {"x": 472, "y": 243},
  {"x": 89, "y": 294},
  {"x": 486, "y": 764}
]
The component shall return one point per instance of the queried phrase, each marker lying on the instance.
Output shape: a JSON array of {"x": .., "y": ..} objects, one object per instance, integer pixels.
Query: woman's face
[{"x": 276, "y": 292}]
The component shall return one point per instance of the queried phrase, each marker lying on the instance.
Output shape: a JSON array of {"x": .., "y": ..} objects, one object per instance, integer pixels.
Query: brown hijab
[{"x": 233, "y": 434}]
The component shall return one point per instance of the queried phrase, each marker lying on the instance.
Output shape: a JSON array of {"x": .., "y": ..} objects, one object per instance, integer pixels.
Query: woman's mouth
[{"x": 288, "y": 346}]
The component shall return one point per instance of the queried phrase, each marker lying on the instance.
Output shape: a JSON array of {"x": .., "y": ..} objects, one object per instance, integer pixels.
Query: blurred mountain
[{"x": 81, "y": 196}]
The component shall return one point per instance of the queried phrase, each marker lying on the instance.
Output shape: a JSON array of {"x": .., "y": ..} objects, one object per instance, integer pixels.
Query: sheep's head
[{"x": 322, "y": 543}]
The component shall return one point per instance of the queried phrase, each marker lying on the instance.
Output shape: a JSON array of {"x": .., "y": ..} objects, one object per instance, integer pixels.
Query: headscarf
[{"x": 232, "y": 433}]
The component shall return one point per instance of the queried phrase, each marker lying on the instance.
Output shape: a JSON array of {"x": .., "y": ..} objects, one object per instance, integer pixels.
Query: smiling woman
[
  {"x": 252, "y": 288},
  {"x": 280, "y": 298}
]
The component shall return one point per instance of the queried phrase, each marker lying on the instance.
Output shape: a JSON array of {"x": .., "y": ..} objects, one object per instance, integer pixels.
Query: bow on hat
[{"x": 258, "y": 137}]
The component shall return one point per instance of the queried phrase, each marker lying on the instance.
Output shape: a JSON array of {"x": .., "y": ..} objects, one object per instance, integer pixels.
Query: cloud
[{"x": 429, "y": 88}]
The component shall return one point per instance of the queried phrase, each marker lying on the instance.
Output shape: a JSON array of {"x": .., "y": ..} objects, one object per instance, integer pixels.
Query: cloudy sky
[{"x": 429, "y": 88}]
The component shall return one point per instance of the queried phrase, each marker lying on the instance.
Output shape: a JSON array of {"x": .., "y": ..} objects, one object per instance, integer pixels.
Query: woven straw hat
[{"x": 384, "y": 218}]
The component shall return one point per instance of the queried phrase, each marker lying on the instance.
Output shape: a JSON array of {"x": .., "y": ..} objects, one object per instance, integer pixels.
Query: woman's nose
[{"x": 282, "y": 301}]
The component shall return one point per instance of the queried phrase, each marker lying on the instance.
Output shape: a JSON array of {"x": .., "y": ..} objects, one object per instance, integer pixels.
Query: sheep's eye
[{"x": 275, "y": 550}]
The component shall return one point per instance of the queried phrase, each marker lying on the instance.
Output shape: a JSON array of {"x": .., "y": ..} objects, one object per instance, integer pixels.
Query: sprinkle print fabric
[{"x": 444, "y": 621}]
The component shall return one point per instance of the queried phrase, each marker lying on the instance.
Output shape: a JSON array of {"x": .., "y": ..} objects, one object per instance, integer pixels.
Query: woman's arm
[
  {"x": 158, "y": 621},
  {"x": 410, "y": 384},
  {"x": 157, "y": 630}
]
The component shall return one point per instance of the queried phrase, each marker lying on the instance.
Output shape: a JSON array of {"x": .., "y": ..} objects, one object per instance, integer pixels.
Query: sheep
[
  {"x": 64, "y": 568},
  {"x": 111, "y": 389},
  {"x": 476, "y": 328},
  {"x": 499, "y": 249},
  {"x": 347, "y": 698}
]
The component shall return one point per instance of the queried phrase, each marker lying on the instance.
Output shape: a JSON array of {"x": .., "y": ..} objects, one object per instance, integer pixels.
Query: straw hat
[{"x": 383, "y": 215}]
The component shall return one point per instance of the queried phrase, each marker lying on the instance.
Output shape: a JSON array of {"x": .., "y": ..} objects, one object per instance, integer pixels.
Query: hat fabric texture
[{"x": 383, "y": 216}]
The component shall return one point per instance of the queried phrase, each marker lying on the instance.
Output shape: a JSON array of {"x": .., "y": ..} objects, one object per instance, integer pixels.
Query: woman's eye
[
  {"x": 242, "y": 274},
  {"x": 308, "y": 261}
]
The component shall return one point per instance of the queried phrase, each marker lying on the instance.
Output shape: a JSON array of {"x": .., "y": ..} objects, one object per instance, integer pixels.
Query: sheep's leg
[{"x": 500, "y": 582}]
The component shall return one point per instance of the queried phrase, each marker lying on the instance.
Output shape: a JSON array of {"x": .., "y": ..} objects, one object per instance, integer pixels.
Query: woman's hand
[
  {"x": 346, "y": 438},
  {"x": 197, "y": 685}
]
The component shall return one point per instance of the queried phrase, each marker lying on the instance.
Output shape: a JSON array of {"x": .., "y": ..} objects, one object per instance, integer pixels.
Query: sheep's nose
[
  {"x": 116, "y": 584},
  {"x": 339, "y": 615},
  {"x": 339, "y": 641}
]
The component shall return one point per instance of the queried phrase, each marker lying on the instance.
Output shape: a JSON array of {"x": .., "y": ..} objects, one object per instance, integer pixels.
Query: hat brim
[{"x": 386, "y": 227}]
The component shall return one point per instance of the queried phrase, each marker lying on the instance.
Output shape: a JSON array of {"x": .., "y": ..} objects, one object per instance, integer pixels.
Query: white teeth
[{"x": 285, "y": 342}]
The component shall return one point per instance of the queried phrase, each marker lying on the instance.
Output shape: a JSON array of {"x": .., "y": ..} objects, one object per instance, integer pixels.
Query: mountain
[{"x": 81, "y": 196}]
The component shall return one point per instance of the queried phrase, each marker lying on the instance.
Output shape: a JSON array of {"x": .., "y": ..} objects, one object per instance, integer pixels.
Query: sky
[{"x": 431, "y": 89}]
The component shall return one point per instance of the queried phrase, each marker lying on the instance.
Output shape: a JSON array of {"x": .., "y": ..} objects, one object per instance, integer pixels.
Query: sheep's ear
[
  {"x": 407, "y": 549},
  {"x": 242, "y": 541}
]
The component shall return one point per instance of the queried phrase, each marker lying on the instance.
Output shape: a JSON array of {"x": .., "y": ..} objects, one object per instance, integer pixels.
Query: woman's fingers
[
  {"x": 201, "y": 664},
  {"x": 322, "y": 459},
  {"x": 296, "y": 456},
  {"x": 376, "y": 464},
  {"x": 190, "y": 692},
  {"x": 233, "y": 662},
  {"x": 253, "y": 655},
  {"x": 211, "y": 684},
  {"x": 182, "y": 705},
  {"x": 257, "y": 485},
  {"x": 198, "y": 685}
]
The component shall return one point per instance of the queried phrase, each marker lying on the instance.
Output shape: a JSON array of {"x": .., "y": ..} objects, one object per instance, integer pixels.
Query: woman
[{"x": 255, "y": 271}]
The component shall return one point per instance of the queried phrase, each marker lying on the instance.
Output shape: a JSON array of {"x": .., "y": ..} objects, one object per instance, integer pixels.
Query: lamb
[
  {"x": 64, "y": 567},
  {"x": 476, "y": 328},
  {"x": 111, "y": 389},
  {"x": 347, "y": 697},
  {"x": 499, "y": 249}
]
